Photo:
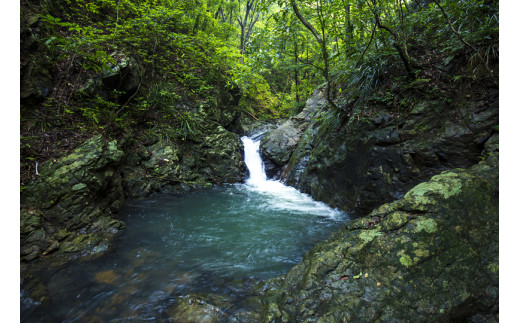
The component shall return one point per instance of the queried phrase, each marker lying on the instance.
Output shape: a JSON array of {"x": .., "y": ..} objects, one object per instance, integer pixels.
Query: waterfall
[
  {"x": 257, "y": 178},
  {"x": 254, "y": 162},
  {"x": 281, "y": 197}
]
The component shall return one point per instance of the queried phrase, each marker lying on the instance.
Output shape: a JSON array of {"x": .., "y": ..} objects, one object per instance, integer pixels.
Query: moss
[
  {"x": 446, "y": 185},
  {"x": 369, "y": 235},
  {"x": 79, "y": 187},
  {"x": 273, "y": 312},
  {"x": 422, "y": 253},
  {"x": 428, "y": 225},
  {"x": 395, "y": 220},
  {"x": 80, "y": 242},
  {"x": 493, "y": 267},
  {"x": 406, "y": 261}
]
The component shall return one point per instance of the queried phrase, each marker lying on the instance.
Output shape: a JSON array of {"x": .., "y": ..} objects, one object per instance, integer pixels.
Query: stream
[{"x": 219, "y": 241}]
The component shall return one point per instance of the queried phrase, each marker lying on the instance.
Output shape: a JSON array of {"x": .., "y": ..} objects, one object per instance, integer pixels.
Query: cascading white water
[
  {"x": 281, "y": 196},
  {"x": 254, "y": 162}
]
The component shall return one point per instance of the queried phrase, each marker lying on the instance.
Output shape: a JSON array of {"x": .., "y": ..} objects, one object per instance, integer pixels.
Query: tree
[
  {"x": 248, "y": 13},
  {"x": 322, "y": 42},
  {"x": 462, "y": 40},
  {"x": 399, "y": 43}
]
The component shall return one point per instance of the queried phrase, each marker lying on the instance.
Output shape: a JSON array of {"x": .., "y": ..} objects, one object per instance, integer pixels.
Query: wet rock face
[
  {"x": 377, "y": 155},
  {"x": 278, "y": 145},
  {"x": 74, "y": 203},
  {"x": 173, "y": 168},
  {"x": 431, "y": 256}
]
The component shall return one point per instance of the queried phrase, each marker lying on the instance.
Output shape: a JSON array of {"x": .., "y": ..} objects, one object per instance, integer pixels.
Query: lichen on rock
[{"x": 430, "y": 256}]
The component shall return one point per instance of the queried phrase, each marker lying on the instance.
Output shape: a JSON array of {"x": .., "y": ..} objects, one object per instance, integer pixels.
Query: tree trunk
[
  {"x": 242, "y": 41},
  {"x": 296, "y": 81},
  {"x": 401, "y": 48},
  {"x": 323, "y": 47}
]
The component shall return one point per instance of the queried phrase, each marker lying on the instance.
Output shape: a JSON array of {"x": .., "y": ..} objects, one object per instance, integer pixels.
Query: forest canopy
[{"x": 178, "y": 58}]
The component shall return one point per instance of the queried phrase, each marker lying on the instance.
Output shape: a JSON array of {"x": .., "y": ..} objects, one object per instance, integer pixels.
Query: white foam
[{"x": 282, "y": 197}]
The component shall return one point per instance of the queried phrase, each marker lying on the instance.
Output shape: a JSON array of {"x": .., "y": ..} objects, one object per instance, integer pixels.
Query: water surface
[{"x": 219, "y": 241}]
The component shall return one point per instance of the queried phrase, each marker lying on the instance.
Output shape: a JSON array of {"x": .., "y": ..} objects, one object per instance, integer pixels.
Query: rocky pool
[{"x": 218, "y": 242}]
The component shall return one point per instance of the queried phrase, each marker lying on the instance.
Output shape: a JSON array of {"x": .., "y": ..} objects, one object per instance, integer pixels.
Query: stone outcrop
[
  {"x": 174, "y": 168},
  {"x": 378, "y": 154},
  {"x": 431, "y": 256},
  {"x": 279, "y": 144},
  {"x": 74, "y": 203}
]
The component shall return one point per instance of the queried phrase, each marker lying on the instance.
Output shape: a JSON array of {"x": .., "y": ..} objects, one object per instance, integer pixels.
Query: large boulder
[
  {"x": 431, "y": 256},
  {"x": 74, "y": 203},
  {"x": 378, "y": 154},
  {"x": 278, "y": 145}
]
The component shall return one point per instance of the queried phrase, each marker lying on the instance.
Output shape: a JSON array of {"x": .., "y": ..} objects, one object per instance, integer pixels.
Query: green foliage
[
  {"x": 84, "y": 42},
  {"x": 184, "y": 54},
  {"x": 188, "y": 54}
]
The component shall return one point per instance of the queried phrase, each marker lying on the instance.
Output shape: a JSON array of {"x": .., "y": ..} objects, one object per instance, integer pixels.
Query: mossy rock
[
  {"x": 430, "y": 256},
  {"x": 195, "y": 309},
  {"x": 169, "y": 167},
  {"x": 81, "y": 191}
]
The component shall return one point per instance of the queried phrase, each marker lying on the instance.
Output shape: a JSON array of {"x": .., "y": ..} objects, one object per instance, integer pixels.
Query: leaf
[{"x": 50, "y": 40}]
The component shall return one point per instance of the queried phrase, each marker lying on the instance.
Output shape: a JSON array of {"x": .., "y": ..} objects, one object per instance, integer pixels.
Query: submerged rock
[
  {"x": 196, "y": 309},
  {"x": 431, "y": 256}
]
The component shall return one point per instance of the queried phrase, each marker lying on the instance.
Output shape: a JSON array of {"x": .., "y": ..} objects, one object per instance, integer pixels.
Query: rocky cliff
[
  {"x": 71, "y": 211},
  {"x": 378, "y": 153}
]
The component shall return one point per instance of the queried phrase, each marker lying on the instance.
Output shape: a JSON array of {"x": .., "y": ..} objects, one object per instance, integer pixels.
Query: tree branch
[
  {"x": 358, "y": 63},
  {"x": 459, "y": 36},
  {"x": 305, "y": 22},
  {"x": 310, "y": 63}
]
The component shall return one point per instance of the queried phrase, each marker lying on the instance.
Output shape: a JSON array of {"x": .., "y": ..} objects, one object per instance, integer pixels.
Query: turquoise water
[{"x": 219, "y": 241}]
